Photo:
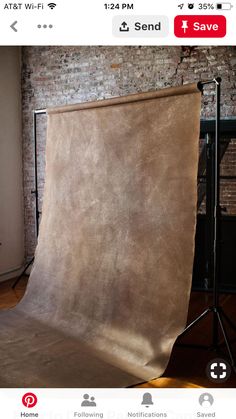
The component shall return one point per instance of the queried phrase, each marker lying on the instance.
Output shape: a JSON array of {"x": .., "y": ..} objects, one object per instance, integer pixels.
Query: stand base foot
[
  {"x": 22, "y": 274},
  {"x": 219, "y": 315}
]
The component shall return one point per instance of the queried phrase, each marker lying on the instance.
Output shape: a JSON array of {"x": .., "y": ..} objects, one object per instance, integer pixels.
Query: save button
[{"x": 198, "y": 26}]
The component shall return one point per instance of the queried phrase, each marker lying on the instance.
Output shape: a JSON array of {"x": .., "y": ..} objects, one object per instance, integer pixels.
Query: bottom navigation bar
[{"x": 117, "y": 403}]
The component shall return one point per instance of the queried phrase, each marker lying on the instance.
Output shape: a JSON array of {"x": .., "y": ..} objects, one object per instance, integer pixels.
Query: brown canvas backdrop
[{"x": 109, "y": 290}]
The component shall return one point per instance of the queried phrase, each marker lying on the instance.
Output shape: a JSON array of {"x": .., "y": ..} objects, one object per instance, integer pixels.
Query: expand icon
[{"x": 218, "y": 370}]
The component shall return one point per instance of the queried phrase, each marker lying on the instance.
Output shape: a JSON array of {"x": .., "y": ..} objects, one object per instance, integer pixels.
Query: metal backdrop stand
[
  {"x": 213, "y": 213},
  {"x": 35, "y": 191}
]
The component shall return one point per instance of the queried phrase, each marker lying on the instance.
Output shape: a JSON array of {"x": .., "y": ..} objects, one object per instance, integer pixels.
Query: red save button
[{"x": 198, "y": 26}]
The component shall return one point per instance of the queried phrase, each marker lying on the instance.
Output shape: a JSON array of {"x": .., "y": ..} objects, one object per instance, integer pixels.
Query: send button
[{"x": 140, "y": 26}]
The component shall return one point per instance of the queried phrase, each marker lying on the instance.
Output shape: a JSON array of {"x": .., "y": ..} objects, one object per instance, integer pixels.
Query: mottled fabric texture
[{"x": 109, "y": 289}]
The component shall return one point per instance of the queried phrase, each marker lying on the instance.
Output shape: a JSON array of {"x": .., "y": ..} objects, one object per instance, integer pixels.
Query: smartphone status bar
[{"x": 96, "y": 22}]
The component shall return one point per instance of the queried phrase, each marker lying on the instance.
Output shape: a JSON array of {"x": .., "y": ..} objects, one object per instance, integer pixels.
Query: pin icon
[
  {"x": 29, "y": 400},
  {"x": 184, "y": 25}
]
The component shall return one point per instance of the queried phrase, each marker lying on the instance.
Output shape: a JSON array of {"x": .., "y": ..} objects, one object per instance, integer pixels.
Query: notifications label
[{"x": 199, "y": 26}]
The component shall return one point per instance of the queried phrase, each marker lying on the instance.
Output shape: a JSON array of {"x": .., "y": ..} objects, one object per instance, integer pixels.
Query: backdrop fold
[{"x": 109, "y": 290}]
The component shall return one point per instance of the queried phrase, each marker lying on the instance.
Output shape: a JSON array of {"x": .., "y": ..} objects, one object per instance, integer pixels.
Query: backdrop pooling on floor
[{"x": 109, "y": 289}]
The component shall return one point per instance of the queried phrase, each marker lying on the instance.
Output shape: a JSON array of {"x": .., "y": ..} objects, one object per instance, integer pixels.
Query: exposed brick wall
[
  {"x": 61, "y": 75},
  {"x": 228, "y": 187}
]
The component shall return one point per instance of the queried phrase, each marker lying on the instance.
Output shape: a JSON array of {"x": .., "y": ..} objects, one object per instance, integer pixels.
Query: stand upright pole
[
  {"x": 36, "y": 174},
  {"x": 216, "y": 215},
  {"x": 35, "y": 191}
]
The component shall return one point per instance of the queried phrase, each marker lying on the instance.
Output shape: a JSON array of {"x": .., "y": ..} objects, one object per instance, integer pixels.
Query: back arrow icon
[{"x": 13, "y": 26}]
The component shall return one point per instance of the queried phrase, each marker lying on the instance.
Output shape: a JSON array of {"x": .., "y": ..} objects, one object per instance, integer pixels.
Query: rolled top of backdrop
[
  {"x": 137, "y": 97},
  {"x": 109, "y": 290}
]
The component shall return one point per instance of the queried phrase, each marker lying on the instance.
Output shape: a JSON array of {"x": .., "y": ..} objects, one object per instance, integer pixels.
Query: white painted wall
[{"x": 11, "y": 189}]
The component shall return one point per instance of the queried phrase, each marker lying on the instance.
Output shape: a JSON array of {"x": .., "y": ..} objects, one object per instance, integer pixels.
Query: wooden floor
[{"x": 187, "y": 365}]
